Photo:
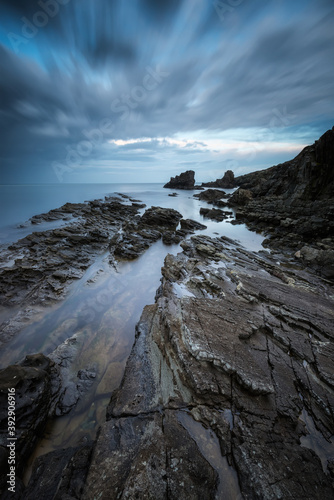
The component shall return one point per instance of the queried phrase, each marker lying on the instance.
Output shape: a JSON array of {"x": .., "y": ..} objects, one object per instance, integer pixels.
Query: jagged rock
[
  {"x": 161, "y": 217},
  {"x": 226, "y": 182},
  {"x": 172, "y": 237},
  {"x": 240, "y": 197},
  {"x": 214, "y": 213},
  {"x": 36, "y": 383},
  {"x": 293, "y": 202},
  {"x": 210, "y": 195},
  {"x": 249, "y": 378},
  {"x": 186, "y": 180},
  {"x": 191, "y": 225}
]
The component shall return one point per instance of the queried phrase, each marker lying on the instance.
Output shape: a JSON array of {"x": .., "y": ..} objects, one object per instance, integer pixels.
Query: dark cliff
[
  {"x": 309, "y": 176},
  {"x": 186, "y": 180}
]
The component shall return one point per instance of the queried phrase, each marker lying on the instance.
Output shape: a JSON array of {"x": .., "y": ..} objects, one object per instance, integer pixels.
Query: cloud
[{"x": 262, "y": 69}]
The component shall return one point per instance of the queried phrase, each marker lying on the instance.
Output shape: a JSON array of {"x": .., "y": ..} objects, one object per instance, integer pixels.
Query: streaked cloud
[{"x": 172, "y": 79}]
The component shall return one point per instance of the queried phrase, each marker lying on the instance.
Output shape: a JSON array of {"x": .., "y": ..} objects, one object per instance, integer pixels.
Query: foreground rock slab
[{"x": 238, "y": 351}]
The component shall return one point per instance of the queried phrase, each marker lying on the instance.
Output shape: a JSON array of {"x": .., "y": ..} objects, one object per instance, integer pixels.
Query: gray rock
[{"x": 231, "y": 346}]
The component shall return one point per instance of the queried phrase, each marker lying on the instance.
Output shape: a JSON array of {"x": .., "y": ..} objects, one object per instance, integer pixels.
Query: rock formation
[
  {"x": 186, "y": 180},
  {"x": 226, "y": 182},
  {"x": 38, "y": 269},
  {"x": 216, "y": 403},
  {"x": 35, "y": 385},
  {"x": 294, "y": 203},
  {"x": 210, "y": 195}
]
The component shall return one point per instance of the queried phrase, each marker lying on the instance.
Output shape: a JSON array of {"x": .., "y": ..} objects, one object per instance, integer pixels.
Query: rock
[
  {"x": 60, "y": 474},
  {"x": 226, "y": 182},
  {"x": 150, "y": 457},
  {"x": 191, "y": 225},
  {"x": 240, "y": 197},
  {"x": 173, "y": 194},
  {"x": 230, "y": 358},
  {"x": 214, "y": 214},
  {"x": 293, "y": 202},
  {"x": 186, "y": 180},
  {"x": 161, "y": 217},
  {"x": 35, "y": 384},
  {"x": 210, "y": 195},
  {"x": 172, "y": 237}
]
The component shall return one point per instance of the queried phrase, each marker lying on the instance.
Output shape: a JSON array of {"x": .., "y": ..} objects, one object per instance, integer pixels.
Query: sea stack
[
  {"x": 226, "y": 182},
  {"x": 186, "y": 180}
]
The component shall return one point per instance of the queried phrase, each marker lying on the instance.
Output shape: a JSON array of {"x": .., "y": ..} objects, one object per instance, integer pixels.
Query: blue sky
[{"x": 137, "y": 91}]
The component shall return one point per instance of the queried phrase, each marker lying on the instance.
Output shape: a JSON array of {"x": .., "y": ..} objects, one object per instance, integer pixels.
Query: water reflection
[{"x": 100, "y": 313}]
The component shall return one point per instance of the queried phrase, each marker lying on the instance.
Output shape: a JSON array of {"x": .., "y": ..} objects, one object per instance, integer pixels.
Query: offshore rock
[
  {"x": 226, "y": 182},
  {"x": 186, "y": 180},
  {"x": 191, "y": 225},
  {"x": 236, "y": 356}
]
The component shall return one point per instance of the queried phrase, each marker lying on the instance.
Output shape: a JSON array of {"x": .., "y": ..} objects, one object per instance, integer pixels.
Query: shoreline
[{"x": 129, "y": 235}]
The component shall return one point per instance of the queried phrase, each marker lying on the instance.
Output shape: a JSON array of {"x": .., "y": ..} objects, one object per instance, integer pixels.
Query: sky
[{"x": 141, "y": 90}]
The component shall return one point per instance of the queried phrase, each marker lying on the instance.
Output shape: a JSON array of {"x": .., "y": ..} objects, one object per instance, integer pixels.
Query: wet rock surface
[
  {"x": 215, "y": 213},
  {"x": 294, "y": 204},
  {"x": 39, "y": 269},
  {"x": 239, "y": 346},
  {"x": 36, "y": 385},
  {"x": 186, "y": 180},
  {"x": 59, "y": 475},
  {"x": 210, "y": 195}
]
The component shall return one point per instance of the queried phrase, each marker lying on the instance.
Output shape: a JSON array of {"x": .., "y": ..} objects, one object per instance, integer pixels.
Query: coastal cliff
[{"x": 293, "y": 203}]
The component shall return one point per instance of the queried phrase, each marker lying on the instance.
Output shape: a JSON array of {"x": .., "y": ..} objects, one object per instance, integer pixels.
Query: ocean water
[{"x": 20, "y": 202}]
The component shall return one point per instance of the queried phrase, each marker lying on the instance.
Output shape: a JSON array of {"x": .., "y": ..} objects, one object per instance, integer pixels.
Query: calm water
[{"x": 103, "y": 307}]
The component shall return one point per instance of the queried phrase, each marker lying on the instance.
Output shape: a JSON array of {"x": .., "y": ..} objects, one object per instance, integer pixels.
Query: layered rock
[
  {"x": 226, "y": 182},
  {"x": 186, "y": 180},
  {"x": 213, "y": 398},
  {"x": 39, "y": 269}
]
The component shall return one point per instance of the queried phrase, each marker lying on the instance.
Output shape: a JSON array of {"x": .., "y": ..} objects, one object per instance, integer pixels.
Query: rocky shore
[
  {"x": 39, "y": 269},
  {"x": 229, "y": 390},
  {"x": 293, "y": 203},
  {"x": 255, "y": 380}
]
